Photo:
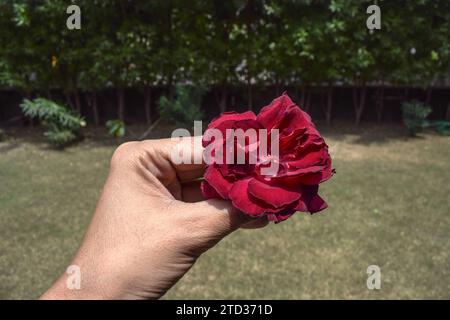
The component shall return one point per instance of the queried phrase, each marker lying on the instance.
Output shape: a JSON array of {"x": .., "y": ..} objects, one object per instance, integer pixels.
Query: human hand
[{"x": 150, "y": 226}]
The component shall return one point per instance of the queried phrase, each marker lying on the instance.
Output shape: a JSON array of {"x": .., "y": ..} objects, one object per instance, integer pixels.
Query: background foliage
[
  {"x": 220, "y": 44},
  {"x": 62, "y": 126},
  {"x": 414, "y": 115}
]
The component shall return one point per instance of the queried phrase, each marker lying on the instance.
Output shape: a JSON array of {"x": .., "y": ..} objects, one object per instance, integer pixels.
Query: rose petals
[
  {"x": 218, "y": 182},
  {"x": 241, "y": 200},
  {"x": 274, "y": 196},
  {"x": 302, "y": 163},
  {"x": 272, "y": 115},
  {"x": 208, "y": 191}
]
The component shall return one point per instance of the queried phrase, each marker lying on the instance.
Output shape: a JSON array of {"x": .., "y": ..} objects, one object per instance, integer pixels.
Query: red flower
[{"x": 303, "y": 162}]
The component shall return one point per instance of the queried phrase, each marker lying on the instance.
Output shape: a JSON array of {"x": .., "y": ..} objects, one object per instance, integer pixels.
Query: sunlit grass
[{"x": 389, "y": 205}]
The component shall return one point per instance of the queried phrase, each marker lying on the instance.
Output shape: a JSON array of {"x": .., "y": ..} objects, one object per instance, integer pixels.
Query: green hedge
[{"x": 144, "y": 43}]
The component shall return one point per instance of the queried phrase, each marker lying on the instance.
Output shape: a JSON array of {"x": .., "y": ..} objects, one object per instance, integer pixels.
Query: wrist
[
  {"x": 61, "y": 290},
  {"x": 84, "y": 282}
]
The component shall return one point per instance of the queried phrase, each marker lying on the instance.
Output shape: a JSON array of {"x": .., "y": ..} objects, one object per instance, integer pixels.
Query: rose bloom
[{"x": 303, "y": 162}]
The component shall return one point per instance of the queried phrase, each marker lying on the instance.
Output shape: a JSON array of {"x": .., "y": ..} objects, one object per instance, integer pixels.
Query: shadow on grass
[
  {"x": 6, "y": 146},
  {"x": 93, "y": 137},
  {"x": 366, "y": 133},
  {"x": 98, "y": 136}
]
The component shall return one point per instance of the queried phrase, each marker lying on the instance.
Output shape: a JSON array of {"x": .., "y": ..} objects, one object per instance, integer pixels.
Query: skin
[{"x": 150, "y": 226}]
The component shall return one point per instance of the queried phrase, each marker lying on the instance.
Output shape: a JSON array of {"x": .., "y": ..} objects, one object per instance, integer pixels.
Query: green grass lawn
[{"x": 389, "y": 205}]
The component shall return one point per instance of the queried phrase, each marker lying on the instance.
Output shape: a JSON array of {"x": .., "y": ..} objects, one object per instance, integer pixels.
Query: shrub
[
  {"x": 116, "y": 128},
  {"x": 414, "y": 116},
  {"x": 184, "y": 108},
  {"x": 63, "y": 127},
  {"x": 441, "y": 127}
]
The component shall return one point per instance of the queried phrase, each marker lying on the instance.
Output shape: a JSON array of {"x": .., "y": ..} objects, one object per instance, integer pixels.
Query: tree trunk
[
  {"x": 121, "y": 104},
  {"x": 297, "y": 93},
  {"x": 77, "y": 101},
  {"x": 305, "y": 101},
  {"x": 69, "y": 100},
  {"x": 329, "y": 105},
  {"x": 250, "y": 5},
  {"x": 171, "y": 89},
  {"x": 232, "y": 100},
  {"x": 359, "y": 101},
  {"x": 249, "y": 90},
  {"x": 428, "y": 95},
  {"x": 303, "y": 96},
  {"x": 308, "y": 101},
  {"x": 361, "y": 107},
  {"x": 277, "y": 87},
  {"x": 380, "y": 104},
  {"x": 148, "y": 104},
  {"x": 95, "y": 108},
  {"x": 223, "y": 99}
]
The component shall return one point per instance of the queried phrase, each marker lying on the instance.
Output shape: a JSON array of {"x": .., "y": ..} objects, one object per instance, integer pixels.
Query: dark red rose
[{"x": 303, "y": 162}]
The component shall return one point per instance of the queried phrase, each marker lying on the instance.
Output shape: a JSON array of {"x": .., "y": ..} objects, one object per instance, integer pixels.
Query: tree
[
  {"x": 330, "y": 44},
  {"x": 214, "y": 47}
]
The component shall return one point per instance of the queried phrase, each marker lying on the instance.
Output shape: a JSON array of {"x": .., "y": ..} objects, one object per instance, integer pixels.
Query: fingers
[
  {"x": 219, "y": 217},
  {"x": 185, "y": 155},
  {"x": 216, "y": 217}
]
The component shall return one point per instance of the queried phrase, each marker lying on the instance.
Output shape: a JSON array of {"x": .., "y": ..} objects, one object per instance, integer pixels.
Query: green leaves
[
  {"x": 20, "y": 14},
  {"x": 116, "y": 128},
  {"x": 185, "y": 108},
  {"x": 220, "y": 43},
  {"x": 51, "y": 112},
  {"x": 441, "y": 127},
  {"x": 414, "y": 115},
  {"x": 63, "y": 127},
  {"x": 60, "y": 138}
]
